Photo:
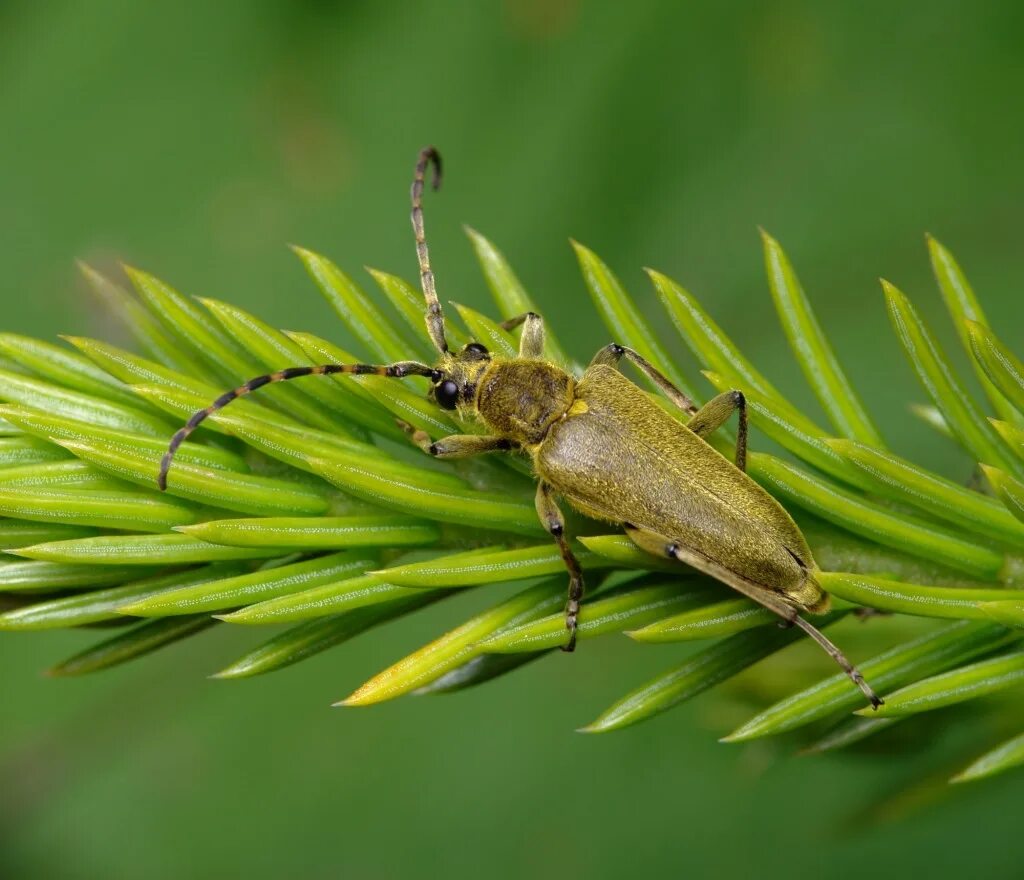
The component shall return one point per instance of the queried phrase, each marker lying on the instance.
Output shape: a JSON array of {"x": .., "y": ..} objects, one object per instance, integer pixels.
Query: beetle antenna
[
  {"x": 435, "y": 319},
  {"x": 396, "y": 371}
]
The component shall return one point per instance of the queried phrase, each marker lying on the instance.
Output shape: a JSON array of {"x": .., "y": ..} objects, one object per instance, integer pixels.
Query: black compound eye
[
  {"x": 447, "y": 394},
  {"x": 477, "y": 349}
]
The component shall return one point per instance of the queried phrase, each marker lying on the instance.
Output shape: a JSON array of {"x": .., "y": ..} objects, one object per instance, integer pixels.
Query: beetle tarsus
[
  {"x": 572, "y": 611},
  {"x": 852, "y": 672},
  {"x": 572, "y": 607}
]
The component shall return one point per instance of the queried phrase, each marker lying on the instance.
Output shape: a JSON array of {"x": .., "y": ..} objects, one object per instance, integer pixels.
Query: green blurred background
[{"x": 197, "y": 139}]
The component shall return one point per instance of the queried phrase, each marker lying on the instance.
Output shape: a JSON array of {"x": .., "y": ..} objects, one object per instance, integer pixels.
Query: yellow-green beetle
[{"x": 602, "y": 445}]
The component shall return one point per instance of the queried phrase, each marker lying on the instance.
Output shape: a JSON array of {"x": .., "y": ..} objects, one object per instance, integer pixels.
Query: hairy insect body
[
  {"x": 614, "y": 455},
  {"x": 605, "y": 447},
  {"x": 624, "y": 460}
]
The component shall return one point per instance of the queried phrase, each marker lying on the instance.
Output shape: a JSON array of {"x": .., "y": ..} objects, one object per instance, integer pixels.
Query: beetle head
[{"x": 455, "y": 378}]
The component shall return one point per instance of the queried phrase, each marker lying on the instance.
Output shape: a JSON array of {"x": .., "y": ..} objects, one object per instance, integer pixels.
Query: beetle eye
[
  {"x": 447, "y": 394},
  {"x": 477, "y": 349}
]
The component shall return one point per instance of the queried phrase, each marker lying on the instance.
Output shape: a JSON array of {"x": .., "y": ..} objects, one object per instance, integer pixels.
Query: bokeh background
[{"x": 197, "y": 139}]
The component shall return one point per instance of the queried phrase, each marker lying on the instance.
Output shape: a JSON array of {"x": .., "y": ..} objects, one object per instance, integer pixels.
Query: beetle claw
[{"x": 571, "y": 612}]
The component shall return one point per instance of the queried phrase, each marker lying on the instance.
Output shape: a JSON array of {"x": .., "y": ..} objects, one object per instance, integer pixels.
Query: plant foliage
[{"x": 304, "y": 506}]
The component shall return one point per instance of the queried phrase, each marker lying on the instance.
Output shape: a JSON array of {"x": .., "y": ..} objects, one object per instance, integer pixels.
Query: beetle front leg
[
  {"x": 551, "y": 518},
  {"x": 455, "y": 445},
  {"x": 715, "y": 413},
  {"x": 610, "y": 356},
  {"x": 531, "y": 342}
]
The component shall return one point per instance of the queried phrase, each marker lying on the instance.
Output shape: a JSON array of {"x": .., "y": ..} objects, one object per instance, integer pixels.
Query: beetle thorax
[{"x": 521, "y": 399}]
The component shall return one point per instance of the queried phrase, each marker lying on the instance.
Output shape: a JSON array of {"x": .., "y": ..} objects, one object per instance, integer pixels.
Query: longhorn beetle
[{"x": 602, "y": 445}]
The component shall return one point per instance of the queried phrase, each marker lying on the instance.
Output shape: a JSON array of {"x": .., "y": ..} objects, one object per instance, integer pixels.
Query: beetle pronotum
[{"x": 602, "y": 445}]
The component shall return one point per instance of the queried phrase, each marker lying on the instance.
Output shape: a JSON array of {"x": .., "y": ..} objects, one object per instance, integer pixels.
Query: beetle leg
[
  {"x": 551, "y": 518},
  {"x": 704, "y": 420},
  {"x": 455, "y": 445},
  {"x": 531, "y": 342},
  {"x": 714, "y": 414},
  {"x": 662, "y": 546},
  {"x": 610, "y": 356},
  {"x": 418, "y": 436}
]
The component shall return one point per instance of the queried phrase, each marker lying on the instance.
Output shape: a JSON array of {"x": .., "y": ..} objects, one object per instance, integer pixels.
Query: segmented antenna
[
  {"x": 398, "y": 370},
  {"x": 435, "y": 318}
]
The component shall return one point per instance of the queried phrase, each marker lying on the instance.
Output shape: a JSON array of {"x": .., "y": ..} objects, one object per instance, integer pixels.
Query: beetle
[{"x": 601, "y": 444}]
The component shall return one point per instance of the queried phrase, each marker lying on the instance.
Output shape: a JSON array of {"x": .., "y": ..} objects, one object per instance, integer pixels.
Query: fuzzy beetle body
[{"x": 609, "y": 450}]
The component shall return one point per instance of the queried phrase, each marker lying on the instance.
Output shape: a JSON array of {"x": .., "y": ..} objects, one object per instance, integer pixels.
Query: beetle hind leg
[
  {"x": 551, "y": 518},
  {"x": 830, "y": 648},
  {"x": 659, "y": 545}
]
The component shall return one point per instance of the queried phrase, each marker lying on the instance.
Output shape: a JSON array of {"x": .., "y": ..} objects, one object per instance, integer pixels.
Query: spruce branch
[{"x": 305, "y": 505}]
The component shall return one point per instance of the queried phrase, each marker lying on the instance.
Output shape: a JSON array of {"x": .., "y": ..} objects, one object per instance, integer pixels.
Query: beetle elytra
[{"x": 602, "y": 445}]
